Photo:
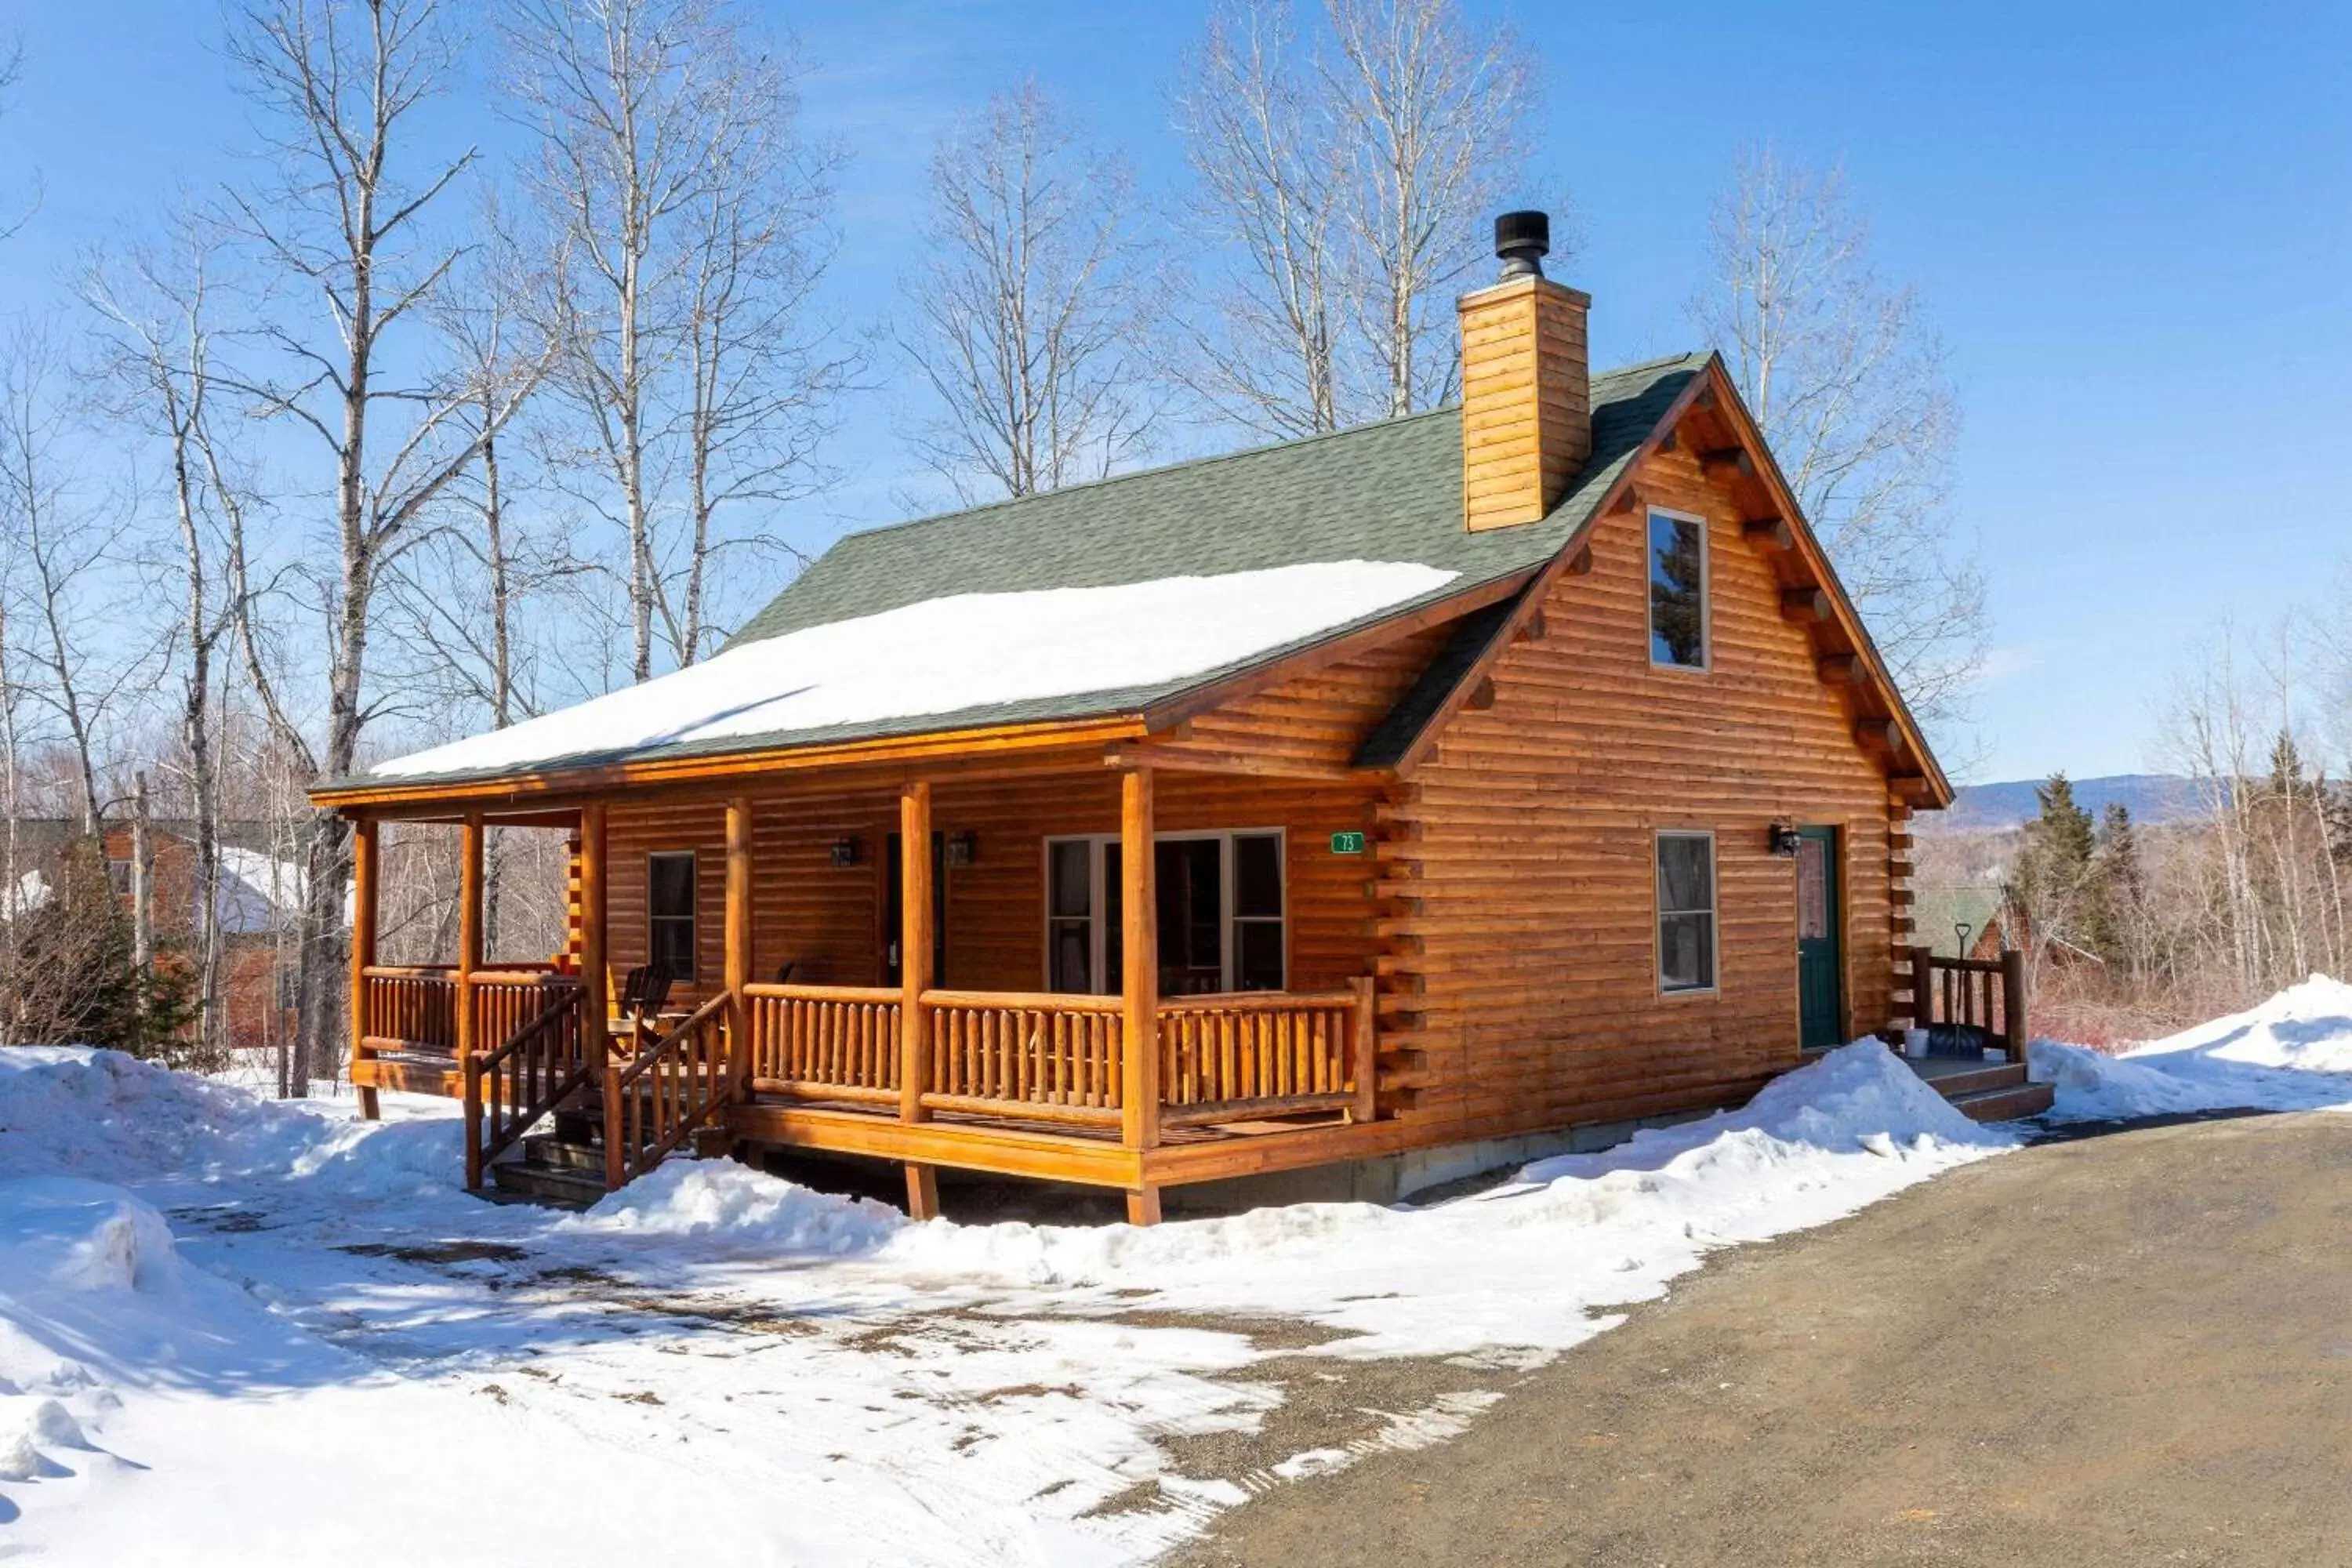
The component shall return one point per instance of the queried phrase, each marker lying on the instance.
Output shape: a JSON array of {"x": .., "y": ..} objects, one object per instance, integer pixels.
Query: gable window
[
  {"x": 1685, "y": 912},
  {"x": 1220, "y": 912},
  {"x": 669, "y": 912},
  {"x": 1677, "y": 591}
]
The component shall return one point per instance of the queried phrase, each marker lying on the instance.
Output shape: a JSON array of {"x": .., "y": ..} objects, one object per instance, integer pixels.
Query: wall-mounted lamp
[
  {"x": 845, "y": 852},
  {"x": 1783, "y": 840},
  {"x": 963, "y": 848}
]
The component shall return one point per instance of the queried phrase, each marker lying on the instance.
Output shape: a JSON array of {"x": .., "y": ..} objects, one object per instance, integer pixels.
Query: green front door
[{"x": 1820, "y": 947}]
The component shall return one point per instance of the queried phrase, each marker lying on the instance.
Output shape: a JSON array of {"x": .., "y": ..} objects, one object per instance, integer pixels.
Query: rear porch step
[{"x": 1992, "y": 1091}]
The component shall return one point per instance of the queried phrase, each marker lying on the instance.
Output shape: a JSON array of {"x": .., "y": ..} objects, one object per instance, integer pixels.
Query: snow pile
[
  {"x": 1527, "y": 1266},
  {"x": 945, "y": 656},
  {"x": 2293, "y": 1052},
  {"x": 734, "y": 1204},
  {"x": 82, "y": 1112}
]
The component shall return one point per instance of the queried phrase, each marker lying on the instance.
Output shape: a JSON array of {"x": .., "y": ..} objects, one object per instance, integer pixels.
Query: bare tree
[
  {"x": 11, "y": 68},
  {"x": 67, "y": 579},
  {"x": 1342, "y": 180},
  {"x": 338, "y": 85},
  {"x": 1847, "y": 376},
  {"x": 157, "y": 321},
  {"x": 761, "y": 382},
  {"x": 670, "y": 166},
  {"x": 1033, "y": 305}
]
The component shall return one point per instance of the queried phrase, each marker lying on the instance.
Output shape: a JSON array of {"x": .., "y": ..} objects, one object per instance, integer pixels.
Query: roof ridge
[{"x": 1210, "y": 459}]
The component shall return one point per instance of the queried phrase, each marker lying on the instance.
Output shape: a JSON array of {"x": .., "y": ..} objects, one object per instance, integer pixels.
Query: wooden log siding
[
  {"x": 825, "y": 919},
  {"x": 1520, "y": 986}
]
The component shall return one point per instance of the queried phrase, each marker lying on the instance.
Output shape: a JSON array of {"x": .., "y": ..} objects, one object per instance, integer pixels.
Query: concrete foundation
[{"x": 1416, "y": 1173}]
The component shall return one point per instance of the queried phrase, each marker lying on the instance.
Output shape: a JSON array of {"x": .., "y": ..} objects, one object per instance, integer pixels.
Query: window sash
[
  {"x": 1686, "y": 905},
  {"x": 1100, "y": 915},
  {"x": 670, "y": 930},
  {"x": 1674, "y": 646}
]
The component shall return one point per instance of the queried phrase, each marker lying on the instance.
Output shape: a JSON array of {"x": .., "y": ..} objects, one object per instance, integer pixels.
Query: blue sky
[{"x": 2133, "y": 224}]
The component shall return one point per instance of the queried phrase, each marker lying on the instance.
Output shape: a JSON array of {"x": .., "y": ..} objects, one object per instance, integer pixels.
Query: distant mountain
[{"x": 1991, "y": 807}]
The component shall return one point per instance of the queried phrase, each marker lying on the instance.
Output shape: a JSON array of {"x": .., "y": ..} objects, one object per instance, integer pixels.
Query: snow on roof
[
  {"x": 257, "y": 890},
  {"x": 949, "y": 656}
]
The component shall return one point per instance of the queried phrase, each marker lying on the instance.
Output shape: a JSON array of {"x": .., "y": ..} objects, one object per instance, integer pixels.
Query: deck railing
[
  {"x": 410, "y": 1009},
  {"x": 534, "y": 1066},
  {"x": 654, "y": 1102},
  {"x": 1986, "y": 994},
  {"x": 1248, "y": 1053},
  {"x": 1038, "y": 1057},
  {"x": 1057, "y": 1056},
  {"x": 825, "y": 1042}
]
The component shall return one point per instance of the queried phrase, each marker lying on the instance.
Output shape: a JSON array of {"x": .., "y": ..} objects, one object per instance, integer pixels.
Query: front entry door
[
  {"x": 1820, "y": 946},
  {"x": 893, "y": 909}
]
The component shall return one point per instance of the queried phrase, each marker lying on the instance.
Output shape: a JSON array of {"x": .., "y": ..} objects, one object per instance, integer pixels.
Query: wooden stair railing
[
  {"x": 531, "y": 1072},
  {"x": 678, "y": 1083},
  {"x": 1978, "y": 993}
]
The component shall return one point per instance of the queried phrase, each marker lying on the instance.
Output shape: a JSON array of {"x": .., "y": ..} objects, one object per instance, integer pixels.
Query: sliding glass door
[{"x": 1220, "y": 912}]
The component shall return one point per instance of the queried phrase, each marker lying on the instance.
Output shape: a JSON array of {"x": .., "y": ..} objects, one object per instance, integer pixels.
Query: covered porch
[{"x": 811, "y": 1005}]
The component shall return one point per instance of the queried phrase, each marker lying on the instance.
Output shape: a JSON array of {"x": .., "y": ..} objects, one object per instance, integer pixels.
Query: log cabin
[{"x": 1445, "y": 788}]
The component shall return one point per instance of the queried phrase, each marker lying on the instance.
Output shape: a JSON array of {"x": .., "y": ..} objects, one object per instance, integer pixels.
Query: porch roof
[{"x": 1291, "y": 545}]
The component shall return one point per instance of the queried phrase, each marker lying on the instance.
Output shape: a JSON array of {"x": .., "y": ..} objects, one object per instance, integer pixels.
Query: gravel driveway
[{"x": 2128, "y": 1349}]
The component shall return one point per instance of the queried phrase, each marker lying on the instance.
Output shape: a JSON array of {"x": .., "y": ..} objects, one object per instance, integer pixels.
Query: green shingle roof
[{"x": 1390, "y": 491}]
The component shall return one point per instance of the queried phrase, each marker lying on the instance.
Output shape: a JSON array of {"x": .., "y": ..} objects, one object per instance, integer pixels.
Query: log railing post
[
  {"x": 1923, "y": 984},
  {"x": 738, "y": 939},
  {"x": 469, "y": 958},
  {"x": 1366, "y": 1046},
  {"x": 914, "y": 979},
  {"x": 596, "y": 1002},
  {"x": 363, "y": 903},
  {"x": 1139, "y": 982},
  {"x": 2012, "y": 1001}
]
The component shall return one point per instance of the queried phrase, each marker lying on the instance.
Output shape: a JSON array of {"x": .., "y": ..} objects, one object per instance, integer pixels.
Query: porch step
[
  {"x": 1967, "y": 1080},
  {"x": 562, "y": 1185},
  {"x": 555, "y": 1150},
  {"x": 2006, "y": 1103}
]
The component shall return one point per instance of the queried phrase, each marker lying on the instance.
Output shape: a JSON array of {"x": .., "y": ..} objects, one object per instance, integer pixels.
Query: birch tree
[
  {"x": 1847, "y": 376},
  {"x": 669, "y": 164},
  {"x": 341, "y": 223},
  {"x": 157, "y": 321},
  {"x": 1342, "y": 178},
  {"x": 1031, "y": 304}
]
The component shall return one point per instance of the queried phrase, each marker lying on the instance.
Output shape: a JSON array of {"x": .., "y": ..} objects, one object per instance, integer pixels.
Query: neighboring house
[
  {"x": 1995, "y": 924},
  {"x": 258, "y": 898},
  {"x": 1502, "y": 770}
]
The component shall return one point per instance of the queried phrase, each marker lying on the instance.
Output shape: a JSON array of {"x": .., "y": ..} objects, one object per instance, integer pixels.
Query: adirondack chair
[{"x": 645, "y": 991}]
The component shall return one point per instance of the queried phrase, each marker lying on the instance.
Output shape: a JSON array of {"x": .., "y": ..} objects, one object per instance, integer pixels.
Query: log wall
[{"x": 1520, "y": 984}]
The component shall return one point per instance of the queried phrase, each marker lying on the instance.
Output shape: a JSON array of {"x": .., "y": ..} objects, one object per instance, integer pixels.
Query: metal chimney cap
[{"x": 1521, "y": 240}]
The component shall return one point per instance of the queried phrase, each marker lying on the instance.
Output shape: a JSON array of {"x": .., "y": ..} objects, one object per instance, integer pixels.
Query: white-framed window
[
  {"x": 1686, "y": 933},
  {"x": 1223, "y": 916},
  {"x": 1676, "y": 554}
]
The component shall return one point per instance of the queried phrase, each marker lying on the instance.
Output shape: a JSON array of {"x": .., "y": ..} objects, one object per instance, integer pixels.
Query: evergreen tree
[
  {"x": 77, "y": 981},
  {"x": 2118, "y": 886},
  {"x": 2056, "y": 877}
]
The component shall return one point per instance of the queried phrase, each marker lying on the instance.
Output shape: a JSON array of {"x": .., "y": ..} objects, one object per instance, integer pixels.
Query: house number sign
[{"x": 1347, "y": 844}]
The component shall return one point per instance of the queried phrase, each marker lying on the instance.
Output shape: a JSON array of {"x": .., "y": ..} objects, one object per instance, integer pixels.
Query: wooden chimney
[{"x": 1526, "y": 396}]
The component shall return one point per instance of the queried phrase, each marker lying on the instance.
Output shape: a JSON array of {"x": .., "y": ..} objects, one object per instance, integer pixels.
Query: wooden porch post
[
  {"x": 469, "y": 958},
  {"x": 596, "y": 1046},
  {"x": 1139, "y": 984},
  {"x": 2012, "y": 1001},
  {"x": 739, "y": 939},
  {"x": 363, "y": 901},
  {"x": 914, "y": 979}
]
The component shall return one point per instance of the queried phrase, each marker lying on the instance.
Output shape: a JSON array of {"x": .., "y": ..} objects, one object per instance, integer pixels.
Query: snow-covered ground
[
  {"x": 237, "y": 1330},
  {"x": 2291, "y": 1053}
]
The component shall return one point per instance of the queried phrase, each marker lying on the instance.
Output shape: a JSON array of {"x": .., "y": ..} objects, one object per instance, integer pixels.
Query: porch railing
[
  {"x": 825, "y": 1042},
  {"x": 654, "y": 1102},
  {"x": 1040, "y": 1057},
  {"x": 1058, "y": 1057},
  {"x": 536, "y": 1065},
  {"x": 1248, "y": 1053},
  {"x": 410, "y": 1009},
  {"x": 1986, "y": 994}
]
